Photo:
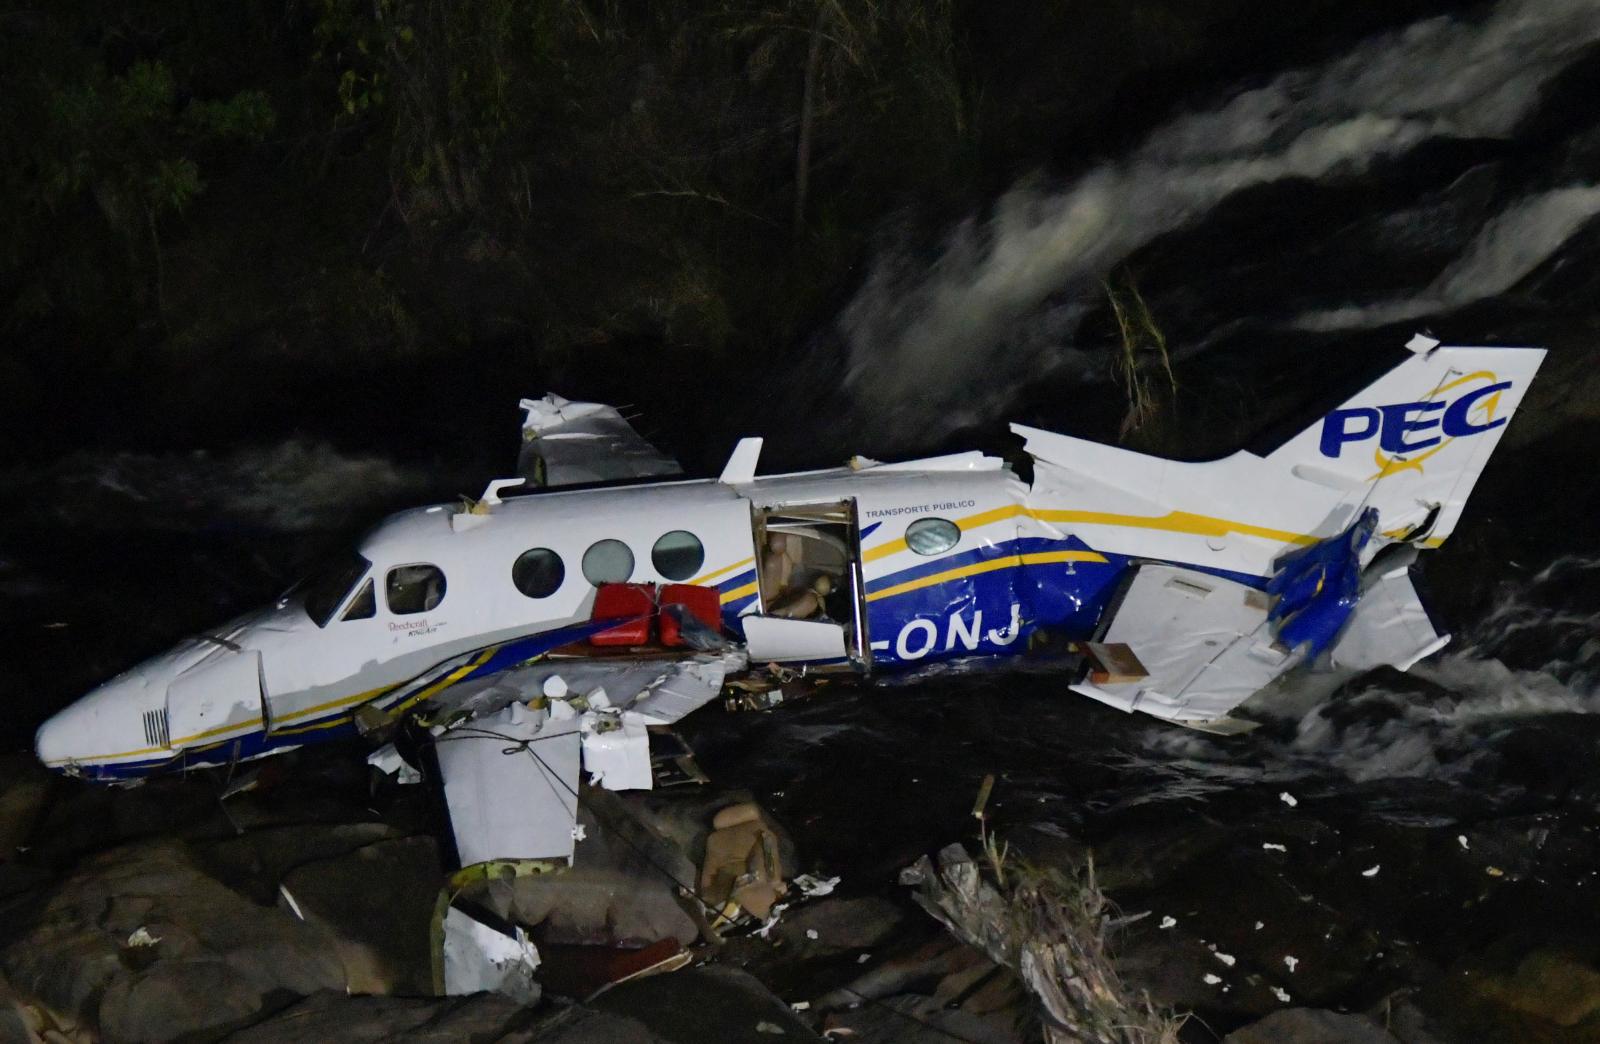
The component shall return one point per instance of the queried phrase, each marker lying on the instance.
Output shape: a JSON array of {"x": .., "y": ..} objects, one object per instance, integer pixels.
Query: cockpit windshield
[{"x": 327, "y": 588}]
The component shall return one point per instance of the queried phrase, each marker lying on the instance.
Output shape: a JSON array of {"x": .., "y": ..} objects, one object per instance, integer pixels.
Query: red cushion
[
  {"x": 705, "y": 603},
  {"x": 634, "y": 604}
]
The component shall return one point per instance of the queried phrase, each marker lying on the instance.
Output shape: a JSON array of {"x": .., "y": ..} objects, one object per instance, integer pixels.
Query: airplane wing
[
  {"x": 526, "y": 718},
  {"x": 1188, "y": 646},
  {"x": 568, "y": 443}
]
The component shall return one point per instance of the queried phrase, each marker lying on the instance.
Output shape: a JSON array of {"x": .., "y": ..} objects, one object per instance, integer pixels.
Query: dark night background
[{"x": 268, "y": 269}]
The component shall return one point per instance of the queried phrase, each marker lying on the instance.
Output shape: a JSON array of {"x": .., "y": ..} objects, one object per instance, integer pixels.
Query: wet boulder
[
  {"x": 377, "y": 904},
  {"x": 1311, "y": 1026},
  {"x": 142, "y": 942},
  {"x": 1549, "y": 984},
  {"x": 709, "y": 1003},
  {"x": 622, "y": 890},
  {"x": 420, "y": 1020}
]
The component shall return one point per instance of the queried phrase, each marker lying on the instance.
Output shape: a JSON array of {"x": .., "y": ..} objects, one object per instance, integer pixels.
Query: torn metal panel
[
  {"x": 616, "y": 751},
  {"x": 1203, "y": 641},
  {"x": 484, "y": 953},
  {"x": 1390, "y": 626},
  {"x": 511, "y": 783},
  {"x": 567, "y": 443}
]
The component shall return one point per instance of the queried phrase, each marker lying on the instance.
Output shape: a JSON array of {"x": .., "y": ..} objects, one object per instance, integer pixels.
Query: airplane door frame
[{"x": 858, "y": 640}]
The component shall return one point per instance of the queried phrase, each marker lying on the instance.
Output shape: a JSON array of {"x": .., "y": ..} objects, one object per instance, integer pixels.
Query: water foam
[
  {"x": 939, "y": 345},
  {"x": 1506, "y": 249},
  {"x": 1431, "y": 723}
]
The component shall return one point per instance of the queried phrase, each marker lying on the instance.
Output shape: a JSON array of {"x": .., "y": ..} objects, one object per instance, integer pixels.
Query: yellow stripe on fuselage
[
  {"x": 738, "y": 593},
  {"x": 1176, "y": 522},
  {"x": 1172, "y": 522},
  {"x": 702, "y": 578},
  {"x": 1037, "y": 558}
]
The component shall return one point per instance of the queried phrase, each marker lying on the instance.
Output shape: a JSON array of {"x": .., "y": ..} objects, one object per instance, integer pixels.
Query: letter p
[{"x": 1337, "y": 428}]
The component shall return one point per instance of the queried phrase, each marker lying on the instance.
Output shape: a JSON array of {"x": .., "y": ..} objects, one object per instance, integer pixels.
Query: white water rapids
[{"x": 943, "y": 344}]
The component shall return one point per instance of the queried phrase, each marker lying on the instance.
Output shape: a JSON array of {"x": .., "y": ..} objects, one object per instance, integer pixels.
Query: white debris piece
[
  {"x": 1260, "y": 925},
  {"x": 141, "y": 937},
  {"x": 811, "y": 886},
  {"x": 1290, "y": 963},
  {"x": 388, "y": 761},
  {"x": 772, "y": 919},
  {"x": 1461, "y": 839},
  {"x": 579, "y": 833},
  {"x": 1271, "y": 847},
  {"x": 811, "y": 933},
  {"x": 1211, "y": 980},
  {"x": 769, "y": 1027},
  {"x": 800, "y": 1006},
  {"x": 616, "y": 751},
  {"x": 1281, "y": 993},
  {"x": 1372, "y": 871},
  {"x": 1168, "y": 921},
  {"x": 1288, "y": 799},
  {"x": 1226, "y": 958},
  {"x": 864, "y": 958},
  {"x": 480, "y": 957}
]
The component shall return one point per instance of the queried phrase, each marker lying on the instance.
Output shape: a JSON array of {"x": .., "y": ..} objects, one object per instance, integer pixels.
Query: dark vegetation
[{"x": 222, "y": 222}]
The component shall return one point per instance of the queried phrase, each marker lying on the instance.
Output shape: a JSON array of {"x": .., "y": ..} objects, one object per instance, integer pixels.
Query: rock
[
  {"x": 1551, "y": 984},
  {"x": 377, "y": 902},
  {"x": 445, "y": 1020},
  {"x": 709, "y": 1003},
  {"x": 971, "y": 998},
  {"x": 840, "y": 924},
  {"x": 620, "y": 891},
  {"x": 1138, "y": 859},
  {"x": 218, "y": 959},
  {"x": 256, "y": 862},
  {"x": 1311, "y": 1026},
  {"x": 24, "y": 786}
]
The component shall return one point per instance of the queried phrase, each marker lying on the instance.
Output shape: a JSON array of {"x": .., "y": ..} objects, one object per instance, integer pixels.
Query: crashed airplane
[{"x": 565, "y": 625}]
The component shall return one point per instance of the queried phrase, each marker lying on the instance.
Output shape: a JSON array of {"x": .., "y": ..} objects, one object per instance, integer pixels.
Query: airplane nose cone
[
  {"x": 56, "y": 740},
  {"x": 106, "y": 725}
]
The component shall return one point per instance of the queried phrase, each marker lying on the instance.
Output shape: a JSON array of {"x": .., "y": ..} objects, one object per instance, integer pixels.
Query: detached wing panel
[
  {"x": 1205, "y": 644},
  {"x": 568, "y": 443},
  {"x": 511, "y": 783}
]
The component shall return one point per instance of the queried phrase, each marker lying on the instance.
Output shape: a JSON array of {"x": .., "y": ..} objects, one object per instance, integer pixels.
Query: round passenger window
[
  {"x": 607, "y": 562},
  {"x": 932, "y": 536},
  {"x": 538, "y": 573},
  {"x": 678, "y": 555}
]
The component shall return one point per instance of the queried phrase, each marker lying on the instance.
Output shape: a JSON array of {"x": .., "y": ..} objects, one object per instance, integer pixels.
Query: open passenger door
[{"x": 810, "y": 604}]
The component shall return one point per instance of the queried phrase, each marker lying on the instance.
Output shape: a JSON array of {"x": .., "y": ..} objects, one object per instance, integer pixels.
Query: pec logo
[{"x": 1409, "y": 427}]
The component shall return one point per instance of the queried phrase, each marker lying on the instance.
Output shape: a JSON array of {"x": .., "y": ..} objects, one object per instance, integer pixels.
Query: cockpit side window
[
  {"x": 326, "y": 589},
  {"x": 365, "y": 605},
  {"x": 415, "y": 588}
]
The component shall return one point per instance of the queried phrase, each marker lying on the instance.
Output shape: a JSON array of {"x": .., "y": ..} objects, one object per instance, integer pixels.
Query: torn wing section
[
  {"x": 1188, "y": 646},
  {"x": 1201, "y": 644},
  {"x": 567, "y": 443},
  {"x": 511, "y": 745},
  {"x": 1391, "y": 626}
]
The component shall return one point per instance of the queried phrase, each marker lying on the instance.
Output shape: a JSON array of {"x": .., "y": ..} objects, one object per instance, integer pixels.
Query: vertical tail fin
[{"x": 1413, "y": 443}]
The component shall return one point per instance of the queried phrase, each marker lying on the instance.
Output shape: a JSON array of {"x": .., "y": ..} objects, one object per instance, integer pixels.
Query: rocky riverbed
[{"x": 1249, "y": 888}]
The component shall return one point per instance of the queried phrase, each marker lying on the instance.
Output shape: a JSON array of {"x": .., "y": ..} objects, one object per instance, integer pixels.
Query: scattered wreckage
[{"x": 507, "y": 645}]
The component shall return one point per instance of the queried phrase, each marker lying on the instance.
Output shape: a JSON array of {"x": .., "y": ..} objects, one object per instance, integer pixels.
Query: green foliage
[
  {"x": 95, "y": 142},
  {"x": 1141, "y": 347}
]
